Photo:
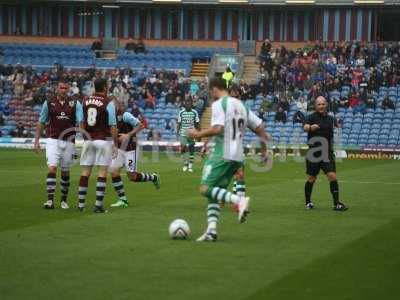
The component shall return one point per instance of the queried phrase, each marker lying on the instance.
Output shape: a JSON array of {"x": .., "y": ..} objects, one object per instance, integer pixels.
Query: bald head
[
  {"x": 320, "y": 98},
  {"x": 321, "y": 105}
]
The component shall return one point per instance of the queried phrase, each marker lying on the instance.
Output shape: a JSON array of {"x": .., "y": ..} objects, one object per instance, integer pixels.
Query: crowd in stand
[
  {"x": 299, "y": 76},
  {"x": 139, "y": 90},
  {"x": 285, "y": 77}
]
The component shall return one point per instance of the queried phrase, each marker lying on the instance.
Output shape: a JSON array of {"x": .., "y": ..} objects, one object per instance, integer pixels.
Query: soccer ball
[{"x": 179, "y": 229}]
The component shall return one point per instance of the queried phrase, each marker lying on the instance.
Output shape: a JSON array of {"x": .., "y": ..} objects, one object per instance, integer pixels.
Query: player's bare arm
[
  {"x": 264, "y": 138},
  {"x": 126, "y": 136},
  {"x": 212, "y": 131},
  {"x": 38, "y": 133},
  {"x": 114, "y": 134},
  {"x": 204, "y": 149}
]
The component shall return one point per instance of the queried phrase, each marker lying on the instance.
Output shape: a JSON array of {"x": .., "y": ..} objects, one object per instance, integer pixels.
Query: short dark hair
[
  {"x": 217, "y": 82},
  {"x": 234, "y": 88},
  {"x": 100, "y": 85},
  {"x": 188, "y": 99}
]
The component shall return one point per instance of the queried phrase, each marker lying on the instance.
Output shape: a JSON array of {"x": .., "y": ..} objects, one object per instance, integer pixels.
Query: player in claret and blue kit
[
  {"x": 128, "y": 127},
  {"x": 99, "y": 128},
  {"x": 60, "y": 114}
]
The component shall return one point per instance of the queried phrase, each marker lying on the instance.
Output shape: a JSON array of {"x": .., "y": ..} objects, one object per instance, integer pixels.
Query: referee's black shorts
[{"x": 313, "y": 168}]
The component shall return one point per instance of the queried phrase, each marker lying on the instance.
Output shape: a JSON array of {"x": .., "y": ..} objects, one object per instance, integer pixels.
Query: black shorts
[{"x": 313, "y": 168}]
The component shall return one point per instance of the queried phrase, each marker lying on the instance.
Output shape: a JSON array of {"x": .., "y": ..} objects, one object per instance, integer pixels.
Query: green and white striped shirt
[{"x": 187, "y": 120}]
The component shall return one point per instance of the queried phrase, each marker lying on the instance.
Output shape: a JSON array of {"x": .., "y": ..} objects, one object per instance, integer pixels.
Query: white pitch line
[
  {"x": 363, "y": 182},
  {"x": 371, "y": 182},
  {"x": 270, "y": 179}
]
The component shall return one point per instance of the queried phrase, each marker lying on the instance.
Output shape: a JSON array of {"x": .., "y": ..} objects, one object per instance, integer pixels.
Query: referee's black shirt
[{"x": 326, "y": 125}]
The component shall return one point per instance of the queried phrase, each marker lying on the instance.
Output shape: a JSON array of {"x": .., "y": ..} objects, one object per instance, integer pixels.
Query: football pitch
[{"x": 282, "y": 252}]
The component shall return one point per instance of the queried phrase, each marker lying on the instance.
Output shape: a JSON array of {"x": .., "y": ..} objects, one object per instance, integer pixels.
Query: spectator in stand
[
  {"x": 370, "y": 103},
  {"x": 263, "y": 88},
  {"x": 300, "y": 115},
  {"x": 97, "y": 46},
  {"x": 28, "y": 96},
  {"x": 1, "y": 119},
  {"x": 266, "y": 48},
  {"x": 363, "y": 84},
  {"x": 228, "y": 76},
  {"x": 314, "y": 92},
  {"x": 19, "y": 87},
  {"x": 140, "y": 47},
  {"x": 179, "y": 101},
  {"x": 154, "y": 135},
  {"x": 19, "y": 131},
  {"x": 136, "y": 112},
  {"x": 245, "y": 92},
  {"x": 74, "y": 90},
  {"x": 283, "y": 104},
  {"x": 194, "y": 87},
  {"x": 356, "y": 104},
  {"x": 354, "y": 100},
  {"x": 130, "y": 45},
  {"x": 307, "y": 83},
  {"x": 150, "y": 100},
  {"x": 344, "y": 102},
  {"x": 281, "y": 116},
  {"x": 171, "y": 96},
  {"x": 89, "y": 73},
  {"x": 203, "y": 92},
  {"x": 265, "y": 107},
  {"x": 1, "y": 83},
  {"x": 334, "y": 105},
  {"x": 387, "y": 103},
  {"x": 120, "y": 93},
  {"x": 198, "y": 105},
  {"x": 39, "y": 95},
  {"x": 357, "y": 75}
]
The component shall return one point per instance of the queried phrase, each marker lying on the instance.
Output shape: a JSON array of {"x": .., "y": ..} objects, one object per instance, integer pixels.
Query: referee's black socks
[
  {"x": 308, "y": 190},
  {"x": 335, "y": 191}
]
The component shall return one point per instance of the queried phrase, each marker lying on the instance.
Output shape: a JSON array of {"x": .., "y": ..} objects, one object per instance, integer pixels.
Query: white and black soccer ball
[{"x": 179, "y": 229}]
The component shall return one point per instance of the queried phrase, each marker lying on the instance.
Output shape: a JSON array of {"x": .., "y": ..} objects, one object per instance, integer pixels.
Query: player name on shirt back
[{"x": 94, "y": 100}]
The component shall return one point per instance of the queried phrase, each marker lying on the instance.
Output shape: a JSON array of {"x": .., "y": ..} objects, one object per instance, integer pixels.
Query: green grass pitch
[{"x": 282, "y": 252}]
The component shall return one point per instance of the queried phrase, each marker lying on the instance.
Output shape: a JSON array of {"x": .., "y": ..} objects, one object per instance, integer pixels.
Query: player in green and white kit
[
  {"x": 188, "y": 118},
  {"x": 229, "y": 120}
]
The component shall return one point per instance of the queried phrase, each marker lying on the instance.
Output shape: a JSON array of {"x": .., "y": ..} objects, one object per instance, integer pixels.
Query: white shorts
[
  {"x": 96, "y": 153},
  {"x": 60, "y": 153},
  {"x": 127, "y": 159}
]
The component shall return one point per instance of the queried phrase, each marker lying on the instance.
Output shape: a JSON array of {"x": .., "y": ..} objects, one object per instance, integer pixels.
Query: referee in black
[{"x": 320, "y": 155}]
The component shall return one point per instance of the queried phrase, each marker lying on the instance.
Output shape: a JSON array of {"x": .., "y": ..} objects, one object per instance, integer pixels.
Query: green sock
[
  {"x": 234, "y": 188},
  {"x": 213, "y": 212},
  {"x": 222, "y": 195},
  {"x": 241, "y": 188},
  {"x": 185, "y": 159}
]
